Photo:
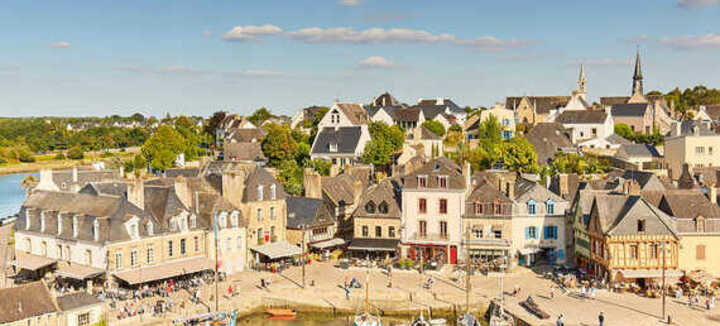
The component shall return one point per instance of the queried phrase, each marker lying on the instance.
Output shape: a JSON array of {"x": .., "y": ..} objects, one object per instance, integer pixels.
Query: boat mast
[
  {"x": 216, "y": 260},
  {"x": 467, "y": 271},
  {"x": 367, "y": 291}
]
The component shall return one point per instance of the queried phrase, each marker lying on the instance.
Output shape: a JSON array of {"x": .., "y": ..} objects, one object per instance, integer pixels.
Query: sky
[{"x": 98, "y": 58}]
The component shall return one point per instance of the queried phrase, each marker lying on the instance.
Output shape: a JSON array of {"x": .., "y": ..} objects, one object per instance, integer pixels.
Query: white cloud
[
  {"x": 602, "y": 62},
  {"x": 251, "y": 32},
  {"x": 350, "y": 3},
  {"x": 376, "y": 62},
  {"x": 707, "y": 41},
  {"x": 690, "y": 4},
  {"x": 380, "y": 35},
  {"x": 60, "y": 45}
]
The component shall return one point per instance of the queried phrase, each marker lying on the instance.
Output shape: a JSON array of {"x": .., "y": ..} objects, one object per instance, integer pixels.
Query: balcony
[
  {"x": 429, "y": 237},
  {"x": 488, "y": 243}
]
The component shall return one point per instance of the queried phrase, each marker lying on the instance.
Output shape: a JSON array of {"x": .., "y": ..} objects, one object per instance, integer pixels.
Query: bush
[
  {"x": 76, "y": 153},
  {"x": 25, "y": 157},
  {"x": 106, "y": 155},
  {"x": 59, "y": 156}
]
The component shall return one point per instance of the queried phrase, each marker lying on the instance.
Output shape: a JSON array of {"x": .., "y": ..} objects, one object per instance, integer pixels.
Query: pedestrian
[
  {"x": 552, "y": 292},
  {"x": 229, "y": 291},
  {"x": 347, "y": 293},
  {"x": 262, "y": 283},
  {"x": 601, "y": 319},
  {"x": 707, "y": 304},
  {"x": 560, "y": 321}
]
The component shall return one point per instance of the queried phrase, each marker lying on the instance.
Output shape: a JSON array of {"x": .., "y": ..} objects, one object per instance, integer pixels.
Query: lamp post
[
  {"x": 663, "y": 281},
  {"x": 303, "y": 258}
]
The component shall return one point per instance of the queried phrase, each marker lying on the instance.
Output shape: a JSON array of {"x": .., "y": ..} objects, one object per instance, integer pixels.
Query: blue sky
[{"x": 196, "y": 57}]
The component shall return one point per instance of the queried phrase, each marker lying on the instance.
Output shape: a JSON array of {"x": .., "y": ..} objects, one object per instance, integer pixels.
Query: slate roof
[
  {"x": 646, "y": 180},
  {"x": 244, "y": 152},
  {"x": 582, "y": 117},
  {"x": 548, "y": 138},
  {"x": 185, "y": 172},
  {"x": 354, "y": 112},
  {"x": 309, "y": 212},
  {"x": 64, "y": 178},
  {"x": 713, "y": 111},
  {"x": 614, "y": 100},
  {"x": 618, "y": 214},
  {"x": 115, "y": 188},
  {"x": 246, "y": 135},
  {"x": 446, "y": 103},
  {"x": 385, "y": 99},
  {"x": 485, "y": 193},
  {"x": 346, "y": 139},
  {"x": 340, "y": 188},
  {"x": 636, "y": 110},
  {"x": 76, "y": 300},
  {"x": 637, "y": 151},
  {"x": 543, "y": 104},
  {"x": 384, "y": 192},
  {"x": 426, "y": 134},
  {"x": 688, "y": 204},
  {"x": 686, "y": 129},
  {"x": 441, "y": 166},
  {"x": 25, "y": 301},
  {"x": 526, "y": 190},
  {"x": 260, "y": 176},
  {"x": 616, "y": 139},
  {"x": 408, "y": 114}
]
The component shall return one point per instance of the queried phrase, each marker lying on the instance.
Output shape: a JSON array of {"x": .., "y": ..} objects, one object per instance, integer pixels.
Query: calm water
[
  {"x": 311, "y": 320},
  {"x": 11, "y": 195}
]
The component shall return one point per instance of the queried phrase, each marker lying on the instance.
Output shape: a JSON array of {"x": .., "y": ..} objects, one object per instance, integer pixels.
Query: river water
[{"x": 11, "y": 195}]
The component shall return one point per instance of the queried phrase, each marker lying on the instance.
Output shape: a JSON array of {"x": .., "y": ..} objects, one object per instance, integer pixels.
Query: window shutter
[{"x": 527, "y": 233}]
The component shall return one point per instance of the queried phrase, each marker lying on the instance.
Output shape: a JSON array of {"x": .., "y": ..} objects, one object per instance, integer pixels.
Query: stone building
[{"x": 376, "y": 222}]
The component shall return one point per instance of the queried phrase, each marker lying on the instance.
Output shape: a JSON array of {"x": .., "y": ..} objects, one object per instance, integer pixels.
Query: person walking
[
  {"x": 601, "y": 319},
  {"x": 552, "y": 292},
  {"x": 347, "y": 293},
  {"x": 560, "y": 321}
]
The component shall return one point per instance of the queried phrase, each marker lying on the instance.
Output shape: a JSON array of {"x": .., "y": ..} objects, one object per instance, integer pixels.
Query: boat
[
  {"x": 366, "y": 318},
  {"x": 281, "y": 312},
  {"x": 468, "y": 320},
  {"x": 533, "y": 307}
]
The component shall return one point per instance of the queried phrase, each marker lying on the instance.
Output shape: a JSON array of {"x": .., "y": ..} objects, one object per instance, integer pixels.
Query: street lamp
[
  {"x": 663, "y": 281},
  {"x": 303, "y": 258}
]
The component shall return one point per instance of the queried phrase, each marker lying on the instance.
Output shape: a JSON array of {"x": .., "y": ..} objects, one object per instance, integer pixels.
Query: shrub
[
  {"x": 60, "y": 156},
  {"x": 106, "y": 155},
  {"x": 25, "y": 157},
  {"x": 76, "y": 153}
]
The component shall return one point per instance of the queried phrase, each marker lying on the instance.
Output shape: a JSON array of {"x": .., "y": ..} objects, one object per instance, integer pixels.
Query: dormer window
[
  {"x": 234, "y": 220},
  {"x": 550, "y": 207},
  {"x": 532, "y": 209},
  {"x": 42, "y": 221},
  {"x": 478, "y": 208},
  {"x": 96, "y": 230},
  {"x": 75, "y": 226},
  {"x": 383, "y": 208},
  {"x": 260, "y": 192},
  {"x": 370, "y": 207},
  {"x": 442, "y": 181},
  {"x": 422, "y": 181},
  {"x": 173, "y": 225},
  {"x": 332, "y": 146},
  {"x": 273, "y": 192},
  {"x": 134, "y": 230},
  {"x": 193, "y": 221},
  {"x": 335, "y": 117},
  {"x": 149, "y": 228},
  {"x": 222, "y": 221}
]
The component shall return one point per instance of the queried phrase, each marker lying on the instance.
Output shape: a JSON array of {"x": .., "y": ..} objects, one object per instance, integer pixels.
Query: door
[
  {"x": 453, "y": 255},
  {"x": 521, "y": 260}
]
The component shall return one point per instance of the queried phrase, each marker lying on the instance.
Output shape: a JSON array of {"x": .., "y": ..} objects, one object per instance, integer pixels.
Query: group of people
[{"x": 561, "y": 320}]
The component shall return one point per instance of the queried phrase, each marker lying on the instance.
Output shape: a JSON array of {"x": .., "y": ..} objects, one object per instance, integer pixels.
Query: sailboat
[{"x": 366, "y": 318}]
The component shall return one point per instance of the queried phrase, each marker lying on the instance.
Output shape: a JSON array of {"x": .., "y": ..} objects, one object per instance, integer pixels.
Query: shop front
[{"x": 434, "y": 252}]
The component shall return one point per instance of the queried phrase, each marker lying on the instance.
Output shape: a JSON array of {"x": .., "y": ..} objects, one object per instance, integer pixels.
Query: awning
[
  {"x": 164, "y": 271},
  {"x": 328, "y": 243},
  {"x": 32, "y": 262},
  {"x": 78, "y": 272},
  {"x": 528, "y": 251},
  {"x": 649, "y": 273},
  {"x": 279, "y": 249},
  {"x": 374, "y": 244}
]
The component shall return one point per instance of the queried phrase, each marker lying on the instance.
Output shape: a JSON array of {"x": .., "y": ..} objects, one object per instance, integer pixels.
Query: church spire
[
  {"x": 637, "y": 89},
  {"x": 581, "y": 80}
]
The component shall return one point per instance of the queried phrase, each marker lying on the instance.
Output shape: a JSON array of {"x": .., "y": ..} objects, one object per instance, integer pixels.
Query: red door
[{"x": 453, "y": 255}]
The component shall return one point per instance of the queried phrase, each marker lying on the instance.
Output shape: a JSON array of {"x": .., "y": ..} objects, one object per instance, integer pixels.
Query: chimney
[
  {"x": 182, "y": 190},
  {"x": 417, "y": 133},
  {"x": 122, "y": 171},
  {"x": 357, "y": 190},
  {"x": 312, "y": 182},
  {"x": 233, "y": 187},
  {"x": 676, "y": 127},
  {"x": 334, "y": 170},
  {"x": 632, "y": 188},
  {"x": 712, "y": 193},
  {"x": 509, "y": 190},
  {"x": 563, "y": 184},
  {"x": 46, "y": 181},
  {"x": 136, "y": 193},
  {"x": 347, "y": 168},
  {"x": 74, "y": 174},
  {"x": 467, "y": 173}
]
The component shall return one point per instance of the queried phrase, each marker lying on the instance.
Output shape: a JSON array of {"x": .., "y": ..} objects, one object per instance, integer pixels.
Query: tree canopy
[
  {"x": 259, "y": 116},
  {"x": 163, "y": 147},
  {"x": 580, "y": 164},
  {"x": 435, "y": 126},
  {"x": 385, "y": 142},
  {"x": 279, "y": 145}
]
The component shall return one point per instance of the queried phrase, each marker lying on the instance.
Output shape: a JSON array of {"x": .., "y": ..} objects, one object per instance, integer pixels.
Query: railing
[
  {"x": 429, "y": 236},
  {"x": 488, "y": 242}
]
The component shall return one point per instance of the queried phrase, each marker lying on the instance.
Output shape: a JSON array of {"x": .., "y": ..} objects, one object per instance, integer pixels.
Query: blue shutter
[
  {"x": 527, "y": 233},
  {"x": 560, "y": 254},
  {"x": 555, "y": 232},
  {"x": 546, "y": 232}
]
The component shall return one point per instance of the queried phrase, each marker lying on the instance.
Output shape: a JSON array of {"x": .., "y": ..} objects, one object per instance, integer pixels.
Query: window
[
  {"x": 594, "y": 131},
  {"x": 59, "y": 249},
  {"x": 550, "y": 207},
  {"x": 391, "y": 231},
  {"x": 42, "y": 222},
  {"x": 59, "y": 217},
  {"x": 497, "y": 207},
  {"x": 478, "y": 208},
  {"x": 118, "y": 259},
  {"x": 318, "y": 231},
  {"x": 272, "y": 233},
  {"x": 443, "y": 230},
  {"x": 641, "y": 225},
  {"x": 531, "y": 207},
  {"x": 75, "y": 226},
  {"x": 633, "y": 251},
  {"x": 193, "y": 221},
  {"x": 88, "y": 257},
  {"x": 497, "y": 234},
  {"x": 260, "y": 192},
  {"x": 700, "y": 150},
  {"x": 150, "y": 254},
  {"x": 273, "y": 192},
  {"x": 443, "y": 206},
  {"x": 378, "y": 231},
  {"x": 133, "y": 229},
  {"x": 700, "y": 252},
  {"x": 260, "y": 236},
  {"x": 234, "y": 220},
  {"x": 170, "y": 248},
  {"x": 96, "y": 230},
  {"x": 228, "y": 244},
  {"x": 365, "y": 231},
  {"x": 654, "y": 251},
  {"x": 477, "y": 232},
  {"x": 442, "y": 181},
  {"x": 272, "y": 213},
  {"x": 149, "y": 228},
  {"x": 370, "y": 207},
  {"x": 550, "y": 232},
  {"x": 422, "y": 181},
  {"x": 259, "y": 214},
  {"x": 173, "y": 225},
  {"x": 422, "y": 228},
  {"x": 422, "y": 205},
  {"x": 83, "y": 319},
  {"x": 133, "y": 257},
  {"x": 182, "y": 246},
  {"x": 530, "y": 232},
  {"x": 383, "y": 208},
  {"x": 239, "y": 243},
  {"x": 196, "y": 244},
  {"x": 710, "y": 150}
]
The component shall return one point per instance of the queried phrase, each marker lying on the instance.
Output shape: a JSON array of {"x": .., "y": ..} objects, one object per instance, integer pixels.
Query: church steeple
[
  {"x": 581, "y": 80},
  {"x": 637, "y": 77}
]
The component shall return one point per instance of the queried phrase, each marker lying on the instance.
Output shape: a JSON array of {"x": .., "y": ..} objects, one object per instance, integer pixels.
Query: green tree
[
  {"x": 321, "y": 167},
  {"x": 384, "y": 143},
  {"x": 213, "y": 123},
  {"x": 163, "y": 147},
  {"x": 580, "y": 164},
  {"x": 624, "y": 131},
  {"x": 259, "y": 116},
  {"x": 279, "y": 145},
  {"x": 435, "y": 126},
  {"x": 76, "y": 153},
  {"x": 517, "y": 154},
  {"x": 188, "y": 130},
  {"x": 489, "y": 134},
  {"x": 290, "y": 174}
]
